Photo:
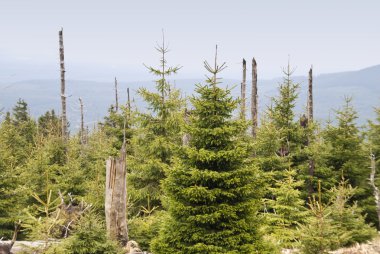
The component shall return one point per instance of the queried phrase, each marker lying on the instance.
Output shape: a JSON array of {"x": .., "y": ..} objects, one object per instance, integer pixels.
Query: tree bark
[
  {"x": 116, "y": 97},
  {"x": 82, "y": 132},
  {"x": 376, "y": 192},
  {"x": 310, "y": 97},
  {"x": 309, "y": 121},
  {"x": 129, "y": 106},
  {"x": 243, "y": 90},
  {"x": 254, "y": 104},
  {"x": 63, "y": 86},
  {"x": 116, "y": 198}
]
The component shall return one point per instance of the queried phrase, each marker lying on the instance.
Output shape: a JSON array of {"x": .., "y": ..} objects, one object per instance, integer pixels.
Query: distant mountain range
[{"x": 329, "y": 91}]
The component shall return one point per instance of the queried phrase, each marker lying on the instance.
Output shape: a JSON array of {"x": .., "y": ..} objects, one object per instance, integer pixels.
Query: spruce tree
[
  {"x": 17, "y": 137},
  {"x": 116, "y": 125},
  {"x": 49, "y": 124},
  {"x": 374, "y": 149},
  {"x": 282, "y": 115},
  {"x": 286, "y": 211},
  {"x": 374, "y": 134},
  {"x": 348, "y": 158},
  {"x": 281, "y": 139},
  {"x": 213, "y": 194},
  {"x": 319, "y": 235},
  {"x": 157, "y": 136},
  {"x": 348, "y": 217}
]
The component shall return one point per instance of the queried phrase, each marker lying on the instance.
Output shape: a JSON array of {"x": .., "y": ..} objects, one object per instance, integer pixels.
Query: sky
[{"x": 111, "y": 38}]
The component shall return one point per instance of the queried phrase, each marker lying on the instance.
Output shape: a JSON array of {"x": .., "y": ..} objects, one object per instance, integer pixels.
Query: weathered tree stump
[{"x": 116, "y": 198}]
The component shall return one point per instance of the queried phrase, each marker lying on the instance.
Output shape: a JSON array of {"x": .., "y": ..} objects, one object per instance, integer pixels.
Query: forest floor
[{"x": 372, "y": 247}]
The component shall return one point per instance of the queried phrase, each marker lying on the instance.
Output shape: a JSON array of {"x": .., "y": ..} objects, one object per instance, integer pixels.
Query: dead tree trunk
[
  {"x": 243, "y": 90},
  {"x": 63, "y": 95},
  {"x": 116, "y": 198},
  {"x": 129, "y": 106},
  {"x": 376, "y": 192},
  {"x": 310, "y": 97},
  {"x": 116, "y": 97},
  {"x": 309, "y": 123},
  {"x": 254, "y": 97},
  {"x": 82, "y": 132}
]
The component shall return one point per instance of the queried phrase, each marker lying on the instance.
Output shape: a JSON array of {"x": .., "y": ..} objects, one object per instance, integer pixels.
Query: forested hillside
[
  {"x": 205, "y": 173},
  {"x": 329, "y": 90}
]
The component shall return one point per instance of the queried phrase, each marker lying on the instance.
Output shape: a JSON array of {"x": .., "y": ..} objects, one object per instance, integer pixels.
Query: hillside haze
[{"x": 329, "y": 92}]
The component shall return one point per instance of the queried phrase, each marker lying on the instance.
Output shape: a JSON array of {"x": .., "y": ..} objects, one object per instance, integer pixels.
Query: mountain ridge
[{"x": 329, "y": 90}]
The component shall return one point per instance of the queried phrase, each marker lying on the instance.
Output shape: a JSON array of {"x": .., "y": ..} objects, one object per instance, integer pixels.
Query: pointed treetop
[{"x": 216, "y": 68}]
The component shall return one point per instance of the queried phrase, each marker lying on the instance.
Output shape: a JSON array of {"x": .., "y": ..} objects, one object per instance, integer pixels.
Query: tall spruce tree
[
  {"x": 213, "y": 193},
  {"x": 281, "y": 138},
  {"x": 157, "y": 136},
  {"x": 348, "y": 158}
]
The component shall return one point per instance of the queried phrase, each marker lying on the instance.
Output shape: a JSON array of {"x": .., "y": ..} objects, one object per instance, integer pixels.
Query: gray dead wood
[
  {"x": 63, "y": 87},
  {"x": 243, "y": 90},
  {"x": 116, "y": 97},
  {"x": 116, "y": 197},
  {"x": 310, "y": 97},
  {"x": 309, "y": 121},
  {"x": 254, "y": 104},
  {"x": 82, "y": 131},
  {"x": 129, "y": 106}
]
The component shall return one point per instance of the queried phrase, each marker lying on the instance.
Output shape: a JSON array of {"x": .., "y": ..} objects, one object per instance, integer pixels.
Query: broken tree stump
[{"x": 116, "y": 198}]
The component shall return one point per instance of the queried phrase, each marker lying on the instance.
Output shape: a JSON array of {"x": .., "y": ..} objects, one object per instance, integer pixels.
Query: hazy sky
[{"x": 115, "y": 37}]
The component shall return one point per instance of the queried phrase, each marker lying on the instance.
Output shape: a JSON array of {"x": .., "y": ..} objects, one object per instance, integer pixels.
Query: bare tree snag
[
  {"x": 310, "y": 97},
  {"x": 6, "y": 247},
  {"x": 254, "y": 104},
  {"x": 129, "y": 106},
  {"x": 243, "y": 90},
  {"x": 82, "y": 132},
  {"x": 309, "y": 121},
  {"x": 116, "y": 197},
  {"x": 116, "y": 97},
  {"x": 376, "y": 192},
  {"x": 63, "y": 95}
]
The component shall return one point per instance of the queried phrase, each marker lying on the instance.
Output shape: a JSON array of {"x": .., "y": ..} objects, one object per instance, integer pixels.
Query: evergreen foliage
[
  {"x": 348, "y": 218},
  {"x": 89, "y": 238},
  {"x": 17, "y": 137},
  {"x": 213, "y": 194},
  {"x": 157, "y": 136},
  {"x": 319, "y": 235},
  {"x": 49, "y": 124},
  {"x": 335, "y": 224},
  {"x": 286, "y": 211},
  {"x": 348, "y": 158},
  {"x": 219, "y": 192}
]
